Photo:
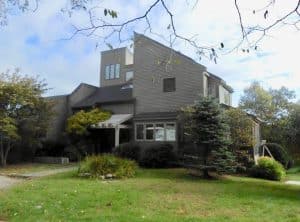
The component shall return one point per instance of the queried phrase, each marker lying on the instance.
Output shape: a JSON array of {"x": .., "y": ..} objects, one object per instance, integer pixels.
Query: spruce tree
[{"x": 205, "y": 122}]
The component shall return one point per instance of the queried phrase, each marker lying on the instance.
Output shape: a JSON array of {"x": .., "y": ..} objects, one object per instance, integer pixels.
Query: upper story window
[
  {"x": 129, "y": 75},
  {"x": 169, "y": 85},
  {"x": 106, "y": 72},
  {"x": 112, "y": 71},
  {"x": 117, "y": 71}
]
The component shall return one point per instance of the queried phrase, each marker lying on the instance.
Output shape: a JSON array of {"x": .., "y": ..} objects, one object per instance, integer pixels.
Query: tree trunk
[
  {"x": 1, "y": 152},
  {"x": 205, "y": 158},
  {"x": 6, "y": 153}
]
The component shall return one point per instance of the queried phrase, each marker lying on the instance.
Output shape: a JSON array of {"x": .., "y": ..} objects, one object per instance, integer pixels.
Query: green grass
[
  {"x": 293, "y": 173},
  {"x": 167, "y": 195},
  {"x": 31, "y": 168}
]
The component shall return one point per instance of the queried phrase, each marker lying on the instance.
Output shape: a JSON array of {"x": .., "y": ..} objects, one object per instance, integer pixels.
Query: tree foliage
[
  {"x": 275, "y": 108},
  {"x": 79, "y": 122},
  {"x": 206, "y": 124},
  {"x": 241, "y": 125},
  {"x": 24, "y": 113}
]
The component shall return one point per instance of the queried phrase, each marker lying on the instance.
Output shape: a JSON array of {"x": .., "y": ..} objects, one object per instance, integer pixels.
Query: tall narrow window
[
  {"x": 170, "y": 132},
  {"x": 169, "y": 85},
  {"x": 112, "y": 71},
  {"x": 139, "y": 132},
  {"x": 149, "y": 131},
  {"x": 106, "y": 72},
  {"x": 159, "y": 132},
  {"x": 129, "y": 75},
  {"x": 117, "y": 74}
]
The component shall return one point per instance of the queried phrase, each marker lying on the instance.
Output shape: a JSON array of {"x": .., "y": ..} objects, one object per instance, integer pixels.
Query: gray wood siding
[
  {"x": 122, "y": 108},
  {"x": 150, "y": 68}
]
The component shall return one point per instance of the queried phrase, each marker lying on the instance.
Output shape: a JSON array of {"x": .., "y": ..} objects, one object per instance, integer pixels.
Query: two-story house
[{"x": 144, "y": 90}]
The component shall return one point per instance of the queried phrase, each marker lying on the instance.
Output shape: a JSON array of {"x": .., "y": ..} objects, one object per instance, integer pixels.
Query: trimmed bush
[
  {"x": 280, "y": 154},
  {"x": 268, "y": 168},
  {"x": 107, "y": 166},
  {"x": 158, "y": 156},
  {"x": 128, "y": 150}
]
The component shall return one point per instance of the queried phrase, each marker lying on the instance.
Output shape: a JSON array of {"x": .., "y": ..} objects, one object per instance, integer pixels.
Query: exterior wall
[
  {"x": 58, "y": 121},
  {"x": 81, "y": 92},
  {"x": 121, "y": 108},
  {"x": 117, "y": 56},
  {"x": 151, "y": 66}
]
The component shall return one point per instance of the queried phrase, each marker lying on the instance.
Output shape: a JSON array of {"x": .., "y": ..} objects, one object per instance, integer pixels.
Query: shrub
[
  {"x": 268, "y": 168},
  {"x": 280, "y": 154},
  {"x": 107, "y": 166},
  {"x": 158, "y": 156},
  {"x": 128, "y": 150}
]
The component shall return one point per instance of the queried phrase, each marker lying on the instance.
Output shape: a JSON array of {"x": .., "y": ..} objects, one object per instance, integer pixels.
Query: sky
[{"x": 37, "y": 42}]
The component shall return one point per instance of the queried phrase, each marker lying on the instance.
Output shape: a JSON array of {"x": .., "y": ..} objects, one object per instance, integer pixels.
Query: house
[{"x": 144, "y": 90}]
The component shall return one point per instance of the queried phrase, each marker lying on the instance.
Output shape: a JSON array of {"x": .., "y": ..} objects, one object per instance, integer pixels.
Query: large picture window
[
  {"x": 149, "y": 131},
  {"x": 170, "y": 132},
  {"x": 159, "y": 132},
  {"x": 156, "y": 131},
  {"x": 140, "y": 131}
]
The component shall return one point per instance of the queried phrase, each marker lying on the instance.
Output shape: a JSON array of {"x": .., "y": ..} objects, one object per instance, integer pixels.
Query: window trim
[
  {"x": 168, "y": 78},
  {"x": 144, "y": 123}
]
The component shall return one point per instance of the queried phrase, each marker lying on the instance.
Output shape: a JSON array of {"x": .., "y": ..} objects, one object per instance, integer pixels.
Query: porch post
[{"x": 117, "y": 136}]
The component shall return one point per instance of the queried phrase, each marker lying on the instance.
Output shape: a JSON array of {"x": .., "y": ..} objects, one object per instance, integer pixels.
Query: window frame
[
  {"x": 164, "y": 84},
  {"x": 154, "y": 128}
]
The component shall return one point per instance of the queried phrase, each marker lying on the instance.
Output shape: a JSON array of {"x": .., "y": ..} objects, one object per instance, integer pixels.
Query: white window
[
  {"x": 149, "y": 131},
  {"x": 139, "y": 132},
  {"x": 117, "y": 74},
  {"x": 129, "y": 75},
  {"x": 112, "y": 71},
  {"x": 106, "y": 72},
  {"x": 170, "y": 132},
  {"x": 159, "y": 132},
  {"x": 156, "y": 132}
]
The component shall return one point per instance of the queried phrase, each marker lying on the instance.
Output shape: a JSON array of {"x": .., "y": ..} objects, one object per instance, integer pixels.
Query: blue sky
[{"x": 34, "y": 43}]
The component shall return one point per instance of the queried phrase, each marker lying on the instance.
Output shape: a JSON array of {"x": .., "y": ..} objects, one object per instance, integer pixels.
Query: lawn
[
  {"x": 154, "y": 195},
  {"x": 293, "y": 173},
  {"x": 31, "y": 168}
]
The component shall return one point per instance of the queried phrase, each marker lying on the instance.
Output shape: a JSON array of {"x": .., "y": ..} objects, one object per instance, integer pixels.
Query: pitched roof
[{"x": 107, "y": 94}]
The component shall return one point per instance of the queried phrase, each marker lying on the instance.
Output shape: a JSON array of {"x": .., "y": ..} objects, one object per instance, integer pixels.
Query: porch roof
[{"x": 114, "y": 121}]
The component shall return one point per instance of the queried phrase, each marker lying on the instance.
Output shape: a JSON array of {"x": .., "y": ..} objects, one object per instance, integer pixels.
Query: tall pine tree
[{"x": 205, "y": 122}]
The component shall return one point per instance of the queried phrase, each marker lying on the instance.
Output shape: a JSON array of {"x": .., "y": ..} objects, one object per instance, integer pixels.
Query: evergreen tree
[{"x": 205, "y": 122}]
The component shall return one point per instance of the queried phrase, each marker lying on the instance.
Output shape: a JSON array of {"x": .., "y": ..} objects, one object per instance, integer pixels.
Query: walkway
[
  {"x": 293, "y": 182},
  {"x": 10, "y": 180}
]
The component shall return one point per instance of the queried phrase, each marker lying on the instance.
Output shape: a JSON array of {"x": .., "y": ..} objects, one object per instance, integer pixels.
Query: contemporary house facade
[{"x": 144, "y": 89}]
